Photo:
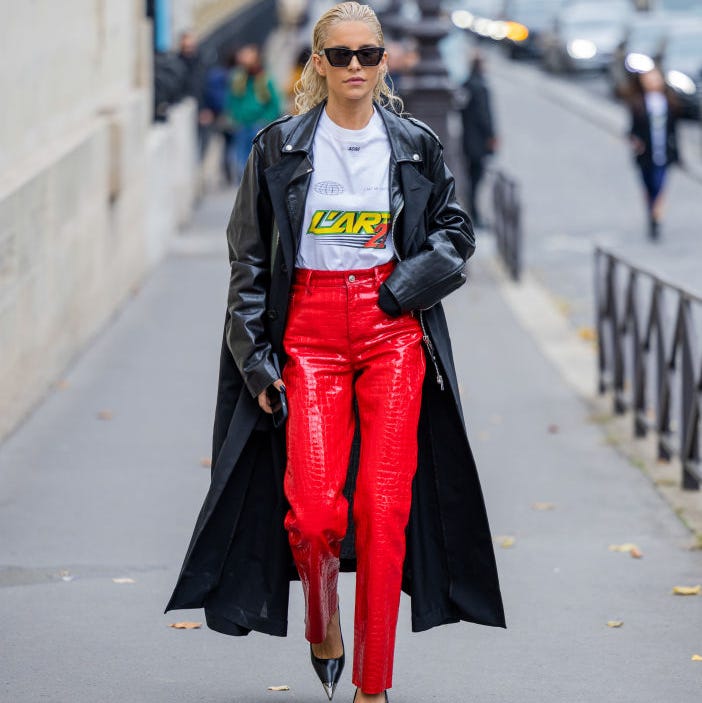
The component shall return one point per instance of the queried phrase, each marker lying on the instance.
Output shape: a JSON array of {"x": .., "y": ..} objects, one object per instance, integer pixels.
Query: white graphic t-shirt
[{"x": 347, "y": 218}]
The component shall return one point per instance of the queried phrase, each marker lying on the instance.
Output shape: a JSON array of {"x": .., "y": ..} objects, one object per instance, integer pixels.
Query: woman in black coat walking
[
  {"x": 653, "y": 138},
  {"x": 343, "y": 240}
]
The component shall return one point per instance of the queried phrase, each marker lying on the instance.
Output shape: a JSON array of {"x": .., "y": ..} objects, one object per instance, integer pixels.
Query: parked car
[
  {"x": 585, "y": 35},
  {"x": 480, "y": 17},
  {"x": 640, "y": 49},
  {"x": 535, "y": 16},
  {"x": 682, "y": 64}
]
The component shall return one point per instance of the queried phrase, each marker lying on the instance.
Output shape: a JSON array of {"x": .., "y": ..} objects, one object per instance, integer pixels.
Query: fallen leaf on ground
[
  {"x": 186, "y": 625},
  {"x": 666, "y": 482},
  {"x": 687, "y": 590},
  {"x": 587, "y": 334},
  {"x": 543, "y": 506},
  {"x": 62, "y": 384},
  {"x": 697, "y": 658},
  {"x": 553, "y": 429},
  {"x": 279, "y": 688},
  {"x": 615, "y": 623},
  {"x": 125, "y": 579},
  {"x": 483, "y": 436},
  {"x": 626, "y": 547},
  {"x": 105, "y": 415},
  {"x": 206, "y": 462},
  {"x": 635, "y": 552},
  {"x": 505, "y": 540}
]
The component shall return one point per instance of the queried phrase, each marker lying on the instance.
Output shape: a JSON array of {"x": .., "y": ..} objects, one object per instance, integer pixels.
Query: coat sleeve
[
  {"x": 247, "y": 237},
  {"x": 438, "y": 268}
]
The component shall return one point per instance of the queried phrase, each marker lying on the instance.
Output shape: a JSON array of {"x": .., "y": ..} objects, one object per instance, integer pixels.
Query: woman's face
[
  {"x": 653, "y": 81},
  {"x": 353, "y": 82}
]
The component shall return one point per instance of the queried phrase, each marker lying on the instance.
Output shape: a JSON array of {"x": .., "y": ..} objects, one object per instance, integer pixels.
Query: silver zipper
[
  {"x": 430, "y": 349},
  {"x": 392, "y": 229}
]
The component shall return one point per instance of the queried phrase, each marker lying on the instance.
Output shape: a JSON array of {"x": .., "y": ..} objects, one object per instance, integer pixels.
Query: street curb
[{"x": 537, "y": 311}]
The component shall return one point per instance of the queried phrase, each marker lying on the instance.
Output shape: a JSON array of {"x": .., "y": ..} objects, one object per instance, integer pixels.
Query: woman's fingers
[
  {"x": 263, "y": 396},
  {"x": 263, "y": 402}
]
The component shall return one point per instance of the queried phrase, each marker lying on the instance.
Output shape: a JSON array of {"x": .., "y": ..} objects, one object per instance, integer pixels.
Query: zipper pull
[{"x": 439, "y": 379}]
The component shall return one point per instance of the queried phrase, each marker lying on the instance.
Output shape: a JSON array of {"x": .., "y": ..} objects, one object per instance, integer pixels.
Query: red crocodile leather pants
[{"x": 339, "y": 342}]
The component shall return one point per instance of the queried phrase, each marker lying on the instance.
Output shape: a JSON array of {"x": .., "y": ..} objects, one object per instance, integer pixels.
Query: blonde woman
[{"x": 344, "y": 237}]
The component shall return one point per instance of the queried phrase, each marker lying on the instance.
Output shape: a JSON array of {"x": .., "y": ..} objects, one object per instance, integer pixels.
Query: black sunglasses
[{"x": 367, "y": 56}]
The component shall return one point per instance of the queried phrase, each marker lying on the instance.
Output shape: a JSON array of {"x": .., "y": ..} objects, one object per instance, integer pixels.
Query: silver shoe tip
[{"x": 329, "y": 688}]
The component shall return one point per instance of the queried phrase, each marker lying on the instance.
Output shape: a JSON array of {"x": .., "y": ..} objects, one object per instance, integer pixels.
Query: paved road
[
  {"x": 565, "y": 145},
  {"x": 85, "y": 500}
]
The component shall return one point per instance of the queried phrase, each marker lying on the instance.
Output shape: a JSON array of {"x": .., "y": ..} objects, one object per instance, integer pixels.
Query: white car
[{"x": 586, "y": 35}]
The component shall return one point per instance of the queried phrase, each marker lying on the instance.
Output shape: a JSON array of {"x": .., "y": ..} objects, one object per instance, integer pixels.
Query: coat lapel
[
  {"x": 287, "y": 180},
  {"x": 416, "y": 190}
]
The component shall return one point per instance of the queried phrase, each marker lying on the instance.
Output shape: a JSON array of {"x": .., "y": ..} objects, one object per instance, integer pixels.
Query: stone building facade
[{"x": 91, "y": 190}]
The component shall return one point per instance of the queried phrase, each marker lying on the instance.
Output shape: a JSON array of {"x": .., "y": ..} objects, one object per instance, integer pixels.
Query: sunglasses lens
[
  {"x": 370, "y": 56},
  {"x": 339, "y": 57}
]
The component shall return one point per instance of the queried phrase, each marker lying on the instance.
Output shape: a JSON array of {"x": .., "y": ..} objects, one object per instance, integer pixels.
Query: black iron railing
[
  {"x": 507, "y": 222},
  {"x": 649, "y": 356}
]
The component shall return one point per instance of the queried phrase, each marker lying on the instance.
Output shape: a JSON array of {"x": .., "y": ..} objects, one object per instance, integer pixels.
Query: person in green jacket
[{"x": 252, "y": 102}]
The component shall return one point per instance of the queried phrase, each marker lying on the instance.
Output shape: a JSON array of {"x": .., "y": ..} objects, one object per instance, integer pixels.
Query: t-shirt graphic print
[
  {"x": 347, "y": 222},
  {"x": 351, "y": 228}
]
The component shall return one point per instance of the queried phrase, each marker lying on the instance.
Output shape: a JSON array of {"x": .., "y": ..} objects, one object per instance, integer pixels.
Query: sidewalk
[{"x": 86, "y": 500}]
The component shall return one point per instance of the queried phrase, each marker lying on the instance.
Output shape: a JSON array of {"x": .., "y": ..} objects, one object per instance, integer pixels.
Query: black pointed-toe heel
[{"x": 329, "y": 670}]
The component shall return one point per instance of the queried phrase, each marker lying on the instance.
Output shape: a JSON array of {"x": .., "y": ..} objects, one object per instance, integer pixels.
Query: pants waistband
[{"x": 336, "y": 277}]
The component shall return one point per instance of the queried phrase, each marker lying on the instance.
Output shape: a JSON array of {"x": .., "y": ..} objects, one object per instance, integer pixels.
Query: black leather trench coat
[{"x": 238, "y": 565}]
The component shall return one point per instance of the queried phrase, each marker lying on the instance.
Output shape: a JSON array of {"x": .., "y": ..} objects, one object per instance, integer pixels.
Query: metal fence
[
  {"x": 649, "y": 356},
  {"x": 507, "y": 222}
]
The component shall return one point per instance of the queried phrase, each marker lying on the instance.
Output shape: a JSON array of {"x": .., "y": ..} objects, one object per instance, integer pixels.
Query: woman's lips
[{"x": 355, "y": 80}]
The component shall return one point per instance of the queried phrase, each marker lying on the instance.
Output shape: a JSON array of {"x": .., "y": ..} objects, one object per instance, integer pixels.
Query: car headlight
[
  {"x": 682, "y": 82},
  {"x": 581, "y": 49},
  {"x": 639, "y": 63},
  {"x": 462, "y": 19}
]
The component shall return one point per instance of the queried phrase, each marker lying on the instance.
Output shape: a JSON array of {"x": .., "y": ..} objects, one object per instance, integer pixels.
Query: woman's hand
[
  {"x": 637, "y": 145},
  {"x": 263, "y": 396}
]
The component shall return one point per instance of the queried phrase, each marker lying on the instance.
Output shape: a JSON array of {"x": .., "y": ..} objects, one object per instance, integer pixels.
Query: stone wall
[{"x": 91, "y": 192}]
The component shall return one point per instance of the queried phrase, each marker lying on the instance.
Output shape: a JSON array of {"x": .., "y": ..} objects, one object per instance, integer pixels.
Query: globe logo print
[{"x": 329, "y": 188}]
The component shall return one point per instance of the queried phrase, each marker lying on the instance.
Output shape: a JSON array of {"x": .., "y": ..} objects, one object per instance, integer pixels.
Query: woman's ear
[{"x": 319, "y": 65}]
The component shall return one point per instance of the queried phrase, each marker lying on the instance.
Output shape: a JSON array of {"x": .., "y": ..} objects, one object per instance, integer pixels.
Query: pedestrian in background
[
  {"x": 479, "y": 140},
  {"x": 252, "y": 102},
  {"x": 194, "y": 85},
  {"x": 344, "y": 238},
  {"x": 653, "y": 138},
  {"x": 215, "y": 99}
]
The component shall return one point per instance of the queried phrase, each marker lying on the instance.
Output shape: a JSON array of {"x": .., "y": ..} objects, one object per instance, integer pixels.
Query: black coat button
[
  {"x": 284, "y": 268},
  {"x": 272, "y": 314}
]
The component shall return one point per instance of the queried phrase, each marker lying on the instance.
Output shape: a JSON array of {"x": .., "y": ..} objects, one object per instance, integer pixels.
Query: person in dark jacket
[
  {"x": 344, "y": 237},
  {"x": 194, "y": 85},
  {"x": 479, "y": 138},
  {"x": 653, "y": 138},
  {"x": 215, "y": 99}
]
